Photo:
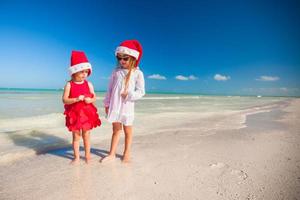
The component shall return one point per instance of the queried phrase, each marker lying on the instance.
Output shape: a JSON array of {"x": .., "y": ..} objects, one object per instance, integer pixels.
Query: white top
[{"x": 122, "y": 110}]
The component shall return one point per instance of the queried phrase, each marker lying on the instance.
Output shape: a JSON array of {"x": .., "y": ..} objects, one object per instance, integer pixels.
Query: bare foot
[
  {"x": 87, "y": 160},
  {"x": 75, "y": 161},
  {"x": 126, "y": 158},
  {"x": 108, "y": 158}
]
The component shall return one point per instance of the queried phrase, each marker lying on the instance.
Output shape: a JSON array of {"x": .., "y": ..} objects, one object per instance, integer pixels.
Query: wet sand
[{"x": 248, "y": 154}]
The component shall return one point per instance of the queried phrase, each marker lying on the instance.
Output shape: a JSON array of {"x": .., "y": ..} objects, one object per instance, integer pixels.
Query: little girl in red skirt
[{"x": 78, "y": 97}]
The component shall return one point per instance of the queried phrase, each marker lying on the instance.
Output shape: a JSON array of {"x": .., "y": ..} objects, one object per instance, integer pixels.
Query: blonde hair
[{"x": 132, "y": 64}]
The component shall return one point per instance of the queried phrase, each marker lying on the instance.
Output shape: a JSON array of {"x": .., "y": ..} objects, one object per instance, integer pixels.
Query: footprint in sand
[
  {"x": 240, "y": 174},
  {"x": 218, "y": 165},
  {"x": 227, "y": 180}
]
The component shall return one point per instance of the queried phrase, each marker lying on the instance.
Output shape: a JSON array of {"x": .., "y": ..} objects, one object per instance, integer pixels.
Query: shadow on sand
[{"x": 43, "y": 143}]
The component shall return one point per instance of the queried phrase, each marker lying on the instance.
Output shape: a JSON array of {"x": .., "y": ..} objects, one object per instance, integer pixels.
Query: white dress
[{"x": 122, "y": 110}]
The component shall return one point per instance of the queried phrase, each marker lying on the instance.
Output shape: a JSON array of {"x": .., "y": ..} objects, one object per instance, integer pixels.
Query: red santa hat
[
  {"x": 132, "y": 48},
  {"x": 79, "y": 62}
]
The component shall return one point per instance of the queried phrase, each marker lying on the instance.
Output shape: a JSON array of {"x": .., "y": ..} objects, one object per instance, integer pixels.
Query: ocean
[
  {"x": 22, "y": 103},
  {"x": 32, "y": 121}
]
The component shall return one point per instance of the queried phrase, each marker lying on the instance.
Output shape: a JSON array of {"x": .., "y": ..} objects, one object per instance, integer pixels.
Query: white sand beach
[
  {"x": 250, "y": 153},
  {"x": 212, "y": 89}
]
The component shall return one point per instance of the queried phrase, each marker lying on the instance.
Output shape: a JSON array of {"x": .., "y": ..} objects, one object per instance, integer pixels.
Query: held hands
[
  {"x": 80, "y": 98},
  {"x": 124, "y": 94},
  {"x": 85, "y": 99}
]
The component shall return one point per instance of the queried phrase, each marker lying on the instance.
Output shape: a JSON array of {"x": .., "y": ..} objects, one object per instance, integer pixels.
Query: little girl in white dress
[
  {"x": 122, "y": 109},
  {"x": 125, "y": 87}
]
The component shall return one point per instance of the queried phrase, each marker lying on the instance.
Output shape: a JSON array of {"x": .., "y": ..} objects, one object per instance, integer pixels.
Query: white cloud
[
  {"x": 157, "y": 77},
  {"x": 186, "y": 78},
  {"x": 182, "y": 78},
  {"x": 219, "y": 77},
  {"x": 268, "y": 78},
  {"x": 192, "y": 77}
]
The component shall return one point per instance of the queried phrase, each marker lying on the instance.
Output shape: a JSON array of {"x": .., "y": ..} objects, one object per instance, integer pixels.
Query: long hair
[
  {"x": 132, "y": 62},
  {"x": 132, "y": 67}
]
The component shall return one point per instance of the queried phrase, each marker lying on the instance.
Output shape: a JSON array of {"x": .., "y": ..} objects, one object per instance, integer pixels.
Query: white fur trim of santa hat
[
  {"x": 79, "y": 67},
  {"x": 127, "y": 51}
]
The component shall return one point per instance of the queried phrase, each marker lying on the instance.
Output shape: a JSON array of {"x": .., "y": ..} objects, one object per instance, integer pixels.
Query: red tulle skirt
[{"x": 81, "y": 116}]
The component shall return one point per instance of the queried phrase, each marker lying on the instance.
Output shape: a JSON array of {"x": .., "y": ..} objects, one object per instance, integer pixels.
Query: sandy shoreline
[{"x": 229, "y": 159}]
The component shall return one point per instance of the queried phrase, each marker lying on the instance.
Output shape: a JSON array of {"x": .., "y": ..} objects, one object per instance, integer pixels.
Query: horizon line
[{"x": 158, "y": 92}]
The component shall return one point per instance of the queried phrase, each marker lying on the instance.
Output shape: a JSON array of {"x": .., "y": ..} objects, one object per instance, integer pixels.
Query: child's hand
[
  {"x": 88, "y": 100},
  {"x": 106, "y": 110},
  {"x": 124, "y": 94},
  {"x": 80, "y": 98}
]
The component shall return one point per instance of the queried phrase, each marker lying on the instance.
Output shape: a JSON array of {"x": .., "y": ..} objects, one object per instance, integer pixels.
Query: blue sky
[{"x": 207, "y": 47}]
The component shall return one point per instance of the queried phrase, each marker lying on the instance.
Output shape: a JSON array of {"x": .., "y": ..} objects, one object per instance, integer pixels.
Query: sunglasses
[
  {"x": 85, "y": 71},
  {"x": 126, "y": 58}
]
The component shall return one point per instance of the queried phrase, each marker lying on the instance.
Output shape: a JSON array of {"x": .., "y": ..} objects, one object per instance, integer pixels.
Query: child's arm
[
  {"x": 65, "y": 97},
  {"x": 139, "y": 88},
  {"x": 106, "y": 100},
  {"x": 89, "y": 99}
]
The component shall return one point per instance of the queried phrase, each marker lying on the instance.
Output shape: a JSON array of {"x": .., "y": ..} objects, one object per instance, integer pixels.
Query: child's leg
[
  {"x": 128, "y": 141},
  {"x": 75, "y": 145},
  {"x": 117, "y": 127},
  {"x": 87, "y": 145}
]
